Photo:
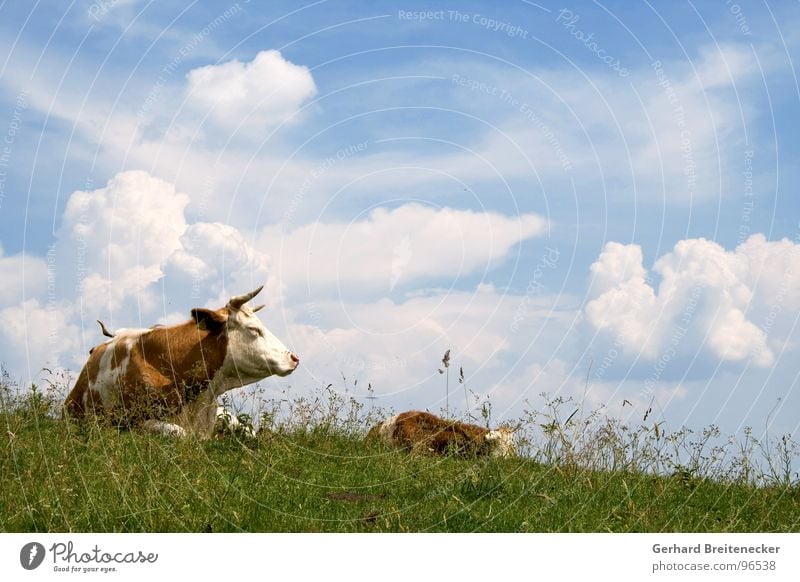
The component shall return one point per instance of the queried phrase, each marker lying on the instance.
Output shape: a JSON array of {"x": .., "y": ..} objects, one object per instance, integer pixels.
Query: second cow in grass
[{"x": 423, "y": 431}]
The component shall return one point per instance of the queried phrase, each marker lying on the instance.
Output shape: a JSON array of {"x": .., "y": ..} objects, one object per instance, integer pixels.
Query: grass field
[{"x": 312, "y": 471}]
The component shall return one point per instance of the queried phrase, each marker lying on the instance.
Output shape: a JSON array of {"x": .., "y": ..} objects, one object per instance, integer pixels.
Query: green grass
[
  {"x": 62, "y": 476},
  {"x": 310, "y": 470}
]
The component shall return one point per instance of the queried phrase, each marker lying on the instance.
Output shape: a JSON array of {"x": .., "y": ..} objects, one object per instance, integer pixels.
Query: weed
[{"x": 310, "y": 469}]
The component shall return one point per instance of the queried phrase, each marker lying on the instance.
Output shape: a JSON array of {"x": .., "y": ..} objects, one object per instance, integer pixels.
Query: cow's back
[
  {"x": 425, "y": 431},
  {"x": 146, "y": 373}
]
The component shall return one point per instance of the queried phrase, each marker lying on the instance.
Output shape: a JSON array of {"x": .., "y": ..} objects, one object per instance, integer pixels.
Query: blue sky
[{"x": 547, "y": 189}]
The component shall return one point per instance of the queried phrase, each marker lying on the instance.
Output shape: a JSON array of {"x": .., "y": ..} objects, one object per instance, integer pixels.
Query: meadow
[{"x": 310, "y": 470}]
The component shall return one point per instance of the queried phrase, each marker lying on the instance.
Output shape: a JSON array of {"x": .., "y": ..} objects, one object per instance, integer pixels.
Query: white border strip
[{"x": 417, "y": 557}]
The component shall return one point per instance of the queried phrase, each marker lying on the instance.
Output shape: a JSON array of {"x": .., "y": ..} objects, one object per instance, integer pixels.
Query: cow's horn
[
  {"x": 104, "y": 330},
  {"x": 260, "y": 307},
  {"x": 237, "y": 301}
]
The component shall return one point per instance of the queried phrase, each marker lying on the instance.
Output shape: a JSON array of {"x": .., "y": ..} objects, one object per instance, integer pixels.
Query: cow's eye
[{"x": 256, "y": 330}]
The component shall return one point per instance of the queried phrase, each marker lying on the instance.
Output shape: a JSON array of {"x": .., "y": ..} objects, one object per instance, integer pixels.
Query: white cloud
[
  {"x": 21, "y": 276},
  {"x": 33, "y": 336},
  {"x": 254, "y": 95},
  {"x": 392, "y": 247},
  {"x": 709, "y": 299},
  {"x": 124, "y": 238},
  {"x": 121, "y": 234},
  {"x": 726, "y": 64},
  {"x": 209, "y": 250},
  {"x": 216, "y": 259},
  {"x": 617, "y": 264}
]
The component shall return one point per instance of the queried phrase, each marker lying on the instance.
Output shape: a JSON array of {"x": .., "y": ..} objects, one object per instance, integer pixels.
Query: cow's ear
[{"x": 209, "y": 319}]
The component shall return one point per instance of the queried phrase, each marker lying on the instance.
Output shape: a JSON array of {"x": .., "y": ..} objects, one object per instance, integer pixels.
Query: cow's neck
[{"x": 199, "y": 415}]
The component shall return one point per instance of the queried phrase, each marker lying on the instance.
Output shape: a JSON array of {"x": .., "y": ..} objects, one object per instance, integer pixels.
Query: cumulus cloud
[
  {"x": 217, "y": 259},
  {"x": 120, "y": 235},
  {"x": 21, "y": 276},
  {"x": 392, "y": 247},
  {"x": 617, "y": 264},
  {"x": 129, "y": 242},
  {"x": 210, "y": 249},
  {"x": 708, "y": 299},
  {"x": 256, "y": 94},
  {"x": 33, "y": 335},
  {"x": 110, "y": 249}
]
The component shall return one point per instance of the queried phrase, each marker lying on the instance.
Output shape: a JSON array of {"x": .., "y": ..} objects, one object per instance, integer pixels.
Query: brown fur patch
[
  {"x": 418, "y": 430},
  {"x": 167, "y": 368}
]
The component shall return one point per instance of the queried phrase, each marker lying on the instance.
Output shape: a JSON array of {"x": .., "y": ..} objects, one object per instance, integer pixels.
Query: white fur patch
[
  {"x": 502, "y": 441},
  {"x": 164, "y": 428},
  {"x": 255, "y": 353},
  {"x": 231, "y": 423},
  {"x": 107, "y": 382},
  {"x": 386, "y": 428}
]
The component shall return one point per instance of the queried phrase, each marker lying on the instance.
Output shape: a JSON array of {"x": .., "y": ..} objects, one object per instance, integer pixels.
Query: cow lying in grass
[
  {"x": 423, "y": 431},
  {"x": 167, "y": 379}
]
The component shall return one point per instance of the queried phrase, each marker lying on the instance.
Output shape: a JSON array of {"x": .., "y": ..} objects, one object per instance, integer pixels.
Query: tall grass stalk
[{"x": 446, "y": 363}]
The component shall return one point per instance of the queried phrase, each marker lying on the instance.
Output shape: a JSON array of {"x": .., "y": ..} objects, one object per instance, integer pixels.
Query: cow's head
[
  {"x": 501, "y": 442},
  {"x": 252, "y": 351}
]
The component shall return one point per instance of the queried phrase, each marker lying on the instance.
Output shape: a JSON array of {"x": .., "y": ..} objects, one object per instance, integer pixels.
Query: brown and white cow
[
  {"x": 424, "y": 431},
  {"x": 167, "y": 379}
]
